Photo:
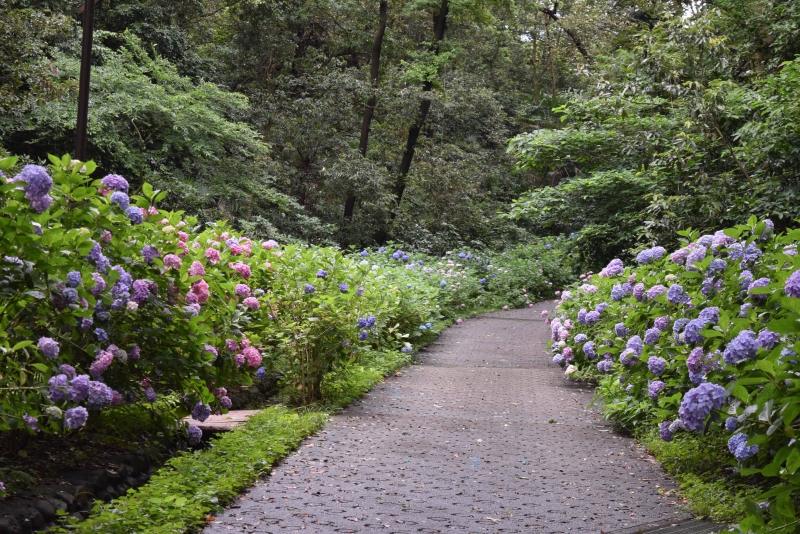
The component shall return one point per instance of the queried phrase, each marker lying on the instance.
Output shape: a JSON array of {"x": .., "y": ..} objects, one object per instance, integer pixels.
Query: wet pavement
[{"x": 484, "y": 434}]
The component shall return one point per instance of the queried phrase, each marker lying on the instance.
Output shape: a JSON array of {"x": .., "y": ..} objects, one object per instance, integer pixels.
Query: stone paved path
[{"x": 483, "y": 435}]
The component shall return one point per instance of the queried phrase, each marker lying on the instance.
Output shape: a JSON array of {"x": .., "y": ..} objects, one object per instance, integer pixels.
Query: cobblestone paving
[{"x": 483, "y": 435}]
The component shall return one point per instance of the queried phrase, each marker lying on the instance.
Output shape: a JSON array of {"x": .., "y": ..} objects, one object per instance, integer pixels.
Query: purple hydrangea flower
[
  {"x": 589, "y": 349},
  {"x": 600, "y": 307},
  {"x": 605, "y": 366},
  {"x": 100, "y": 396},
  {"x": 635, "y": 343},
  {"x": 58, "y": 385},
  {"x": 710, "y": 315},
  {"x": 614, "y": 268},
  {"x": 201, "y": 412},
  {"x": 655, "y": 291},
  {"x": 135, "y": 353},
  {"x": 243, "y": 290},
  {"x": 581, "y": 338},
  {"x": 768, "y": 339},
  {"x": 359, "y": 291},
  {"x": 67, "y": 370},
  {"x": 121, "y": 199},
  {"x": 261, "y": 373},
  {"x": 115, "y": 182},
  {"x": 619, "y": 329},
  {"x": 31, "y": 422},
  {"x": 644, "y": 257},
  {"x": 149, "y": 253},
  {"x": 664, "y": 431},
  {"x": 731, "y": 423},
  {"x": 582, "y": 316},
  {"x": 194, "y": 433},
  {"x": 656, "y": 365},
  {"x": 662, "y": 323},
  {"x": 792, "y": 286},
  {"x": 558, "y": 359},
  {"x": 699, "y": 402},
  {"x": 628, "y": 357},
  {"x": 676, "y": 295},
  {"x": 151, "y": 395},
  {"x": 74, "y": 279},
  {"x": 309, "y": 288},
  {"x": 737, "y": 444},
  {"x": 654, "y": 388},
  {"x": 75, "y": 417},
  {"x": 679, "y": 256},
  {"x": 78, "y": 388},
  {"x": 362, "y": 335},
  {"x": 592, "y": 317},
  {"x": 741, "y": 348},
  {"x": 651, "y": 336},
  {"x": 761, "y": 282},
  {"x": 744, "y": 309},
  {"x": 49, "y": 347},
  {"x": 691, "y": 334},
  {"x": 638, "y": 292},
  {"x": 620, "y": 291},
  {"x": 134, "y": 214},
  {"x": 102, "y": 335},
  {"x": 697, "y": 255},
  {"x": 717, "y": 265},
  {"x": 39, "y": 182},
  {"x": 322, "y": 273},
  {"x": 343, "y": 287}
]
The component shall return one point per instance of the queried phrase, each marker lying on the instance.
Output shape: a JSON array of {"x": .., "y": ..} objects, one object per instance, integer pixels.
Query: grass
[{"x": 701, "y": 467}]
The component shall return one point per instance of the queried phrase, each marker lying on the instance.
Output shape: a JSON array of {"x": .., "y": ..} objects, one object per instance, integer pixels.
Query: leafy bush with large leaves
[{"x": 703, "y": 338}]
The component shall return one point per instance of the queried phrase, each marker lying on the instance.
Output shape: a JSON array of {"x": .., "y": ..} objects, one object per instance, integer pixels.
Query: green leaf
[
  {"x": 793, "y": 461},
  {"x": 784, "y": 326}
]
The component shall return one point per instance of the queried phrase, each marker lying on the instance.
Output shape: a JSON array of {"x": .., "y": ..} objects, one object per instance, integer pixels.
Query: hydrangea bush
[{"x": 703, "y": 338}]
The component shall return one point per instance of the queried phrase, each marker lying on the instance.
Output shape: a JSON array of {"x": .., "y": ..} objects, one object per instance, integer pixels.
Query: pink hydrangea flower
[
  {"x": 252, "y": 356},
  {"x": 231, "y": 345},
  {"x": 184, "y": 247},
  {"x": 200, "y": 289},
  {"x": 266, "y": 245},
  {"x": 241, "y": 268},
  {"x": 251, "y": 302},
  {"x": 505, "y": 307},
  {"x": 243, "y": 290},
  {"x": 212, "y": 255},
  {"x": 236, "y": 249},
  {"x": 152, "y": 210},
  {"x": 197, "y": 269},
  {"x": 171, "y": 261},
  {"x": 545, "y": 313},
  {"x": 247, "y": 246},
  {"x": 101, "y": 363},
  {"x": 183, "y": 236},
  {"x": 459, "y": 321},
  {"x": 239, "y": 359}
]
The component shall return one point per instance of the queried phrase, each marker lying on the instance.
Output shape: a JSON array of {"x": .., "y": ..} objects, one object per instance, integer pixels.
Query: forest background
[{"x": 355, "y": 122}]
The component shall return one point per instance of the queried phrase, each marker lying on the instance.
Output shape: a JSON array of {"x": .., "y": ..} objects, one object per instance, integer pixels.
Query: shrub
[{"x": 704, "y": 338}]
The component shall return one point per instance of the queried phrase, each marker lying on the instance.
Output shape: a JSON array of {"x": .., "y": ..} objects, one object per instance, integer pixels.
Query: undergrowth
[{"x": 707, "y": 481}]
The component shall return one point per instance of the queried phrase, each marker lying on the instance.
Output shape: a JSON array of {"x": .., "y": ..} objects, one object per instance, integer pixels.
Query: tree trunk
[
  {"x": 439, "y": 26},
  {"x": 369, "y": 108},
  {"x": 553, "y": 14}
]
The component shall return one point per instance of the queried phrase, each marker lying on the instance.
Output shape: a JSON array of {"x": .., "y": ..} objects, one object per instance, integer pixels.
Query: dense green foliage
[
  {"x": 692, "y": 122},
  {"x": 702, "y": 341}
]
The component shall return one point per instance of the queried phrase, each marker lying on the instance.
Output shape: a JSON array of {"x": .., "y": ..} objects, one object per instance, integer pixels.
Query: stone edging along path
[{"x": 484, "y": 434}]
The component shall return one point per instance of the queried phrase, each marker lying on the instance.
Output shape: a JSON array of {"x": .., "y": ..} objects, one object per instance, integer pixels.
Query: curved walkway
[{"x": 483, "y": 435}]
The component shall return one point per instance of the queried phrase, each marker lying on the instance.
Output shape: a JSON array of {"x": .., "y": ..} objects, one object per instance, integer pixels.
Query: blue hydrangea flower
[
  {"x": 589, "y": 349},
  {"x": 343, "y": 287},
  {"x": 442, "y": 283},
  {"x": 102, "y": 335},
  {"x": 309, "y": 288},
  {"x": 363, "y": 335},
  {"x": 744, "y": 309},
  {"x": 638, "y": 292},
  {"x": 115, "y": 182},
  {"x": 737, "y": 444},
  {"x": 699, "y": 402},
  {"x": 592, "y": 317},
  {"x": 662, "y": 323},
  {"x": 581, "y": 338},
  {"x": 582, "y": 316},
  {"x": 664, "y": 431},
  {"x": 741, "y": 348},
  {"x": 134, "y": 214},
  {"x": 600, "y": 307},
  {"x": 656, "y": 365},
  {"x": 407, "y": 349},
  {"x": 74, "y": 279},
  {"x": 635, "y": 343},
  {"x": 194, "y": 434},
  {"x": 628, "y": 357},
  {"x": 39, "y": 182},
  {"x": 364, "y": 253},
  {"x": 731, "y": 423},
  {"x": 654, "y": 388},
  {"x": 768, "y": 339},
  {"x": 619, "y": 329},
  {"x": 201, "y": 412},
  {"x": 676, "y": 295},
  {"x": 792, "y": 286},
  {"x": 359, "y": 291},
  {"x": 75, "y": 417},
  {"x": 644, "y": 257},
  {"x": 697, "y": 255},
  {"x": 558, "y": 359},
  {"x": 261, "y": 373},
  {"x": 49, "y": 347},
  {"x": 121, "y": 199},
  {"x": 322, "y": 273},
  {"x": 717, "y": 265},
  {"x": 691, "y": 334},
  {"x": 100, "y": 396},
  {"x": 710, "y": 314},
  {"x": 761, "y": 282},
  {"x": 620, "y": 291},
  {"x": 605, "y": 366},
  {"x": 651, "y": 336}
]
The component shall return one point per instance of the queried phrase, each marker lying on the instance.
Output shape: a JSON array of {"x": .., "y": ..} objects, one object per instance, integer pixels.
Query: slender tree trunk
[
  {"x": 550, "y": 58},
  {"x": 369, "y": 108},
  {"x": 576, "y": 40},
  {"x": 439, "y": 27}
]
